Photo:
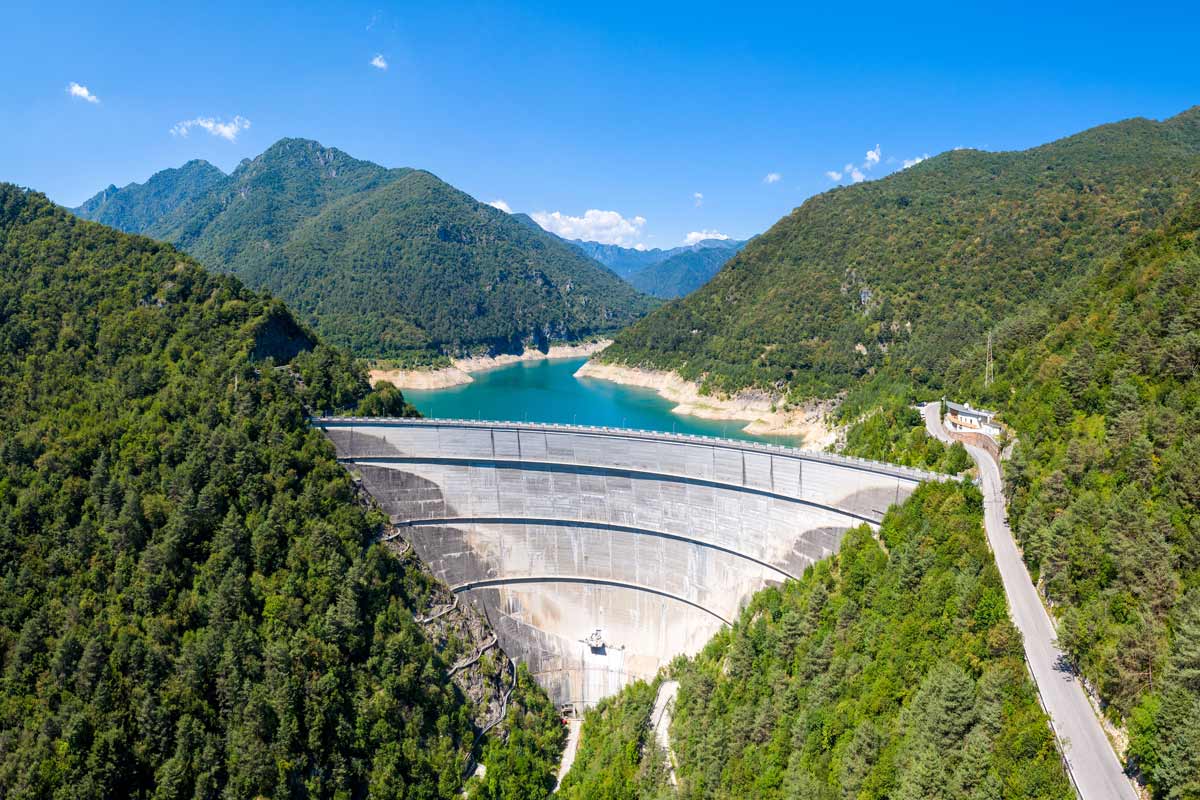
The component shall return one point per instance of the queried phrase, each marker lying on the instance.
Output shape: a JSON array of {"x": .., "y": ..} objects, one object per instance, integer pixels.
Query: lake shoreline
[
  {"x": 759, "y": 409},
  {"x": 459, "y": 373}
]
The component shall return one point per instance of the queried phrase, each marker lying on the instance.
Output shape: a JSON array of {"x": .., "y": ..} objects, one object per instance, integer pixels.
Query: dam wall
[{"x": 654, "y": 540}]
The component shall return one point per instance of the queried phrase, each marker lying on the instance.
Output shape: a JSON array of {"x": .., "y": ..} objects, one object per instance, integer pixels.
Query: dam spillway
[{"x": 654, "y": 540}]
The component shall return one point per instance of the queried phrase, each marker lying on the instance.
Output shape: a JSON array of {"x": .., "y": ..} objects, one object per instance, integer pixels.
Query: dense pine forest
[
  {"x": 1103, "y": 387},
  {"x": 889, "y": 670},
  {"x": 192, "y": 604},
  {"x": 391, "y": 263},
  {"x": 1100, "y": 385}
]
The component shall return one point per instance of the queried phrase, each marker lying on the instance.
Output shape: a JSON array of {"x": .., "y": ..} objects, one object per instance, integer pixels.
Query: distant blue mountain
[
  {"x": 668, "y": 273},
  {"x": 686, "y": 270}
]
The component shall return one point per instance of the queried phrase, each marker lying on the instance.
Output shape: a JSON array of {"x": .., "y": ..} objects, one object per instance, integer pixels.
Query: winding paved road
[{"x": 1093, "y": 764}]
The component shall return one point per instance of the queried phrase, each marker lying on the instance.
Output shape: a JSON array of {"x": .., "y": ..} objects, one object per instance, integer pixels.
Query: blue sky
[{"x": 561, "y": 108}]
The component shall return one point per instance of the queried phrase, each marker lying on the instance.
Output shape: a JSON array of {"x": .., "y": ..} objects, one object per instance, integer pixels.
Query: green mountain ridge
[
  {"x": 193, "y": 600},
  {"x": 393, "y": 263},
  {"x": 900, "y": 272},
  {"x": 1103, "y": 386},
  {"x": 628, "y": 261},
  {"x": 137, "y": 207},
  {"x": 1089, "y": 280}
]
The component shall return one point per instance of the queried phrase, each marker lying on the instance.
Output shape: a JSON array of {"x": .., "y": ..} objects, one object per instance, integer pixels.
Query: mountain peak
[
  {"x": 394, "y": 262},
  {"x": 306, "y": 160},
  {"x": 198, "y": 163},
  {"x": 296, "y": 149}
]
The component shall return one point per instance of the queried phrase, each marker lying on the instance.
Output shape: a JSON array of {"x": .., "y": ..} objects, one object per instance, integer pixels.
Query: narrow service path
[
  {"x": 1094, "y": 766},
  {"x": 568, "y": 756},
  {"x": 660, "y": 723}
]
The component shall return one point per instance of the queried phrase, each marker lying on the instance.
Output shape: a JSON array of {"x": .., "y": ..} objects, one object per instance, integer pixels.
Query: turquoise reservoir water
[{"x": 548, "y": 391}]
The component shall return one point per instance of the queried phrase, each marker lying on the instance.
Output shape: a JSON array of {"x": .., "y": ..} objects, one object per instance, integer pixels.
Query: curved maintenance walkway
[{"x": 1094, "y": 766}]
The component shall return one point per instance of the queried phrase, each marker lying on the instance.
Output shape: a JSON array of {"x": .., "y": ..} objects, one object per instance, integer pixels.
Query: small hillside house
[{"x": 964, "y": 419}]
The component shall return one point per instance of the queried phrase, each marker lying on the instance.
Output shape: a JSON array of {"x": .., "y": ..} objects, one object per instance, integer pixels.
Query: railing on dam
[{"x": 737, "y": 444}]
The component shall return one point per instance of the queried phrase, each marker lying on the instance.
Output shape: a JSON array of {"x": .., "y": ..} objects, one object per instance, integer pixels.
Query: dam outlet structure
[{"x": 600, "y": 554}]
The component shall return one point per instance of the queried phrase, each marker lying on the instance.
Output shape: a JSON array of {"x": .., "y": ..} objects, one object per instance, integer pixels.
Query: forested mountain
[
  {"x": 1089, "y": 278},
  {"x": 139, "y": 206},
  {"x": 1100, "y": 383},
  {"x": 392, "y": 263},
  {"x": 192, "y": 600},
  {"x": 907, "y": 270},
  {"x": 1102, "y": 386},
  {"x": 890, "y": 670},
  {"x": 684, "y": 272},
  {"x": 662, "y": 273}
]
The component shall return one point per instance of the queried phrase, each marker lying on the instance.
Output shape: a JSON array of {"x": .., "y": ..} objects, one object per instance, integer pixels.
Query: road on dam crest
[{"x": 1093, "y": 764}]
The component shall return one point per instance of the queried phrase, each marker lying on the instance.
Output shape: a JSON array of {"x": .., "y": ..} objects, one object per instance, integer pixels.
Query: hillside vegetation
[
  {"x": 904, "y": 272},
  {"x": 392, "y": 263},
  {"x": 1103, "y": 387},
  {"x": 618, "y": 756},
  {"x": 890, "y": 670},
  {"x": 192, "y": 604}
]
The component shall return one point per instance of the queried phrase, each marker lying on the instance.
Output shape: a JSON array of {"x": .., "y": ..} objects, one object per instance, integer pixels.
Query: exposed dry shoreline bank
[
  {"x": 807, "y": 421},
  {"x": 460, "y": 372}
]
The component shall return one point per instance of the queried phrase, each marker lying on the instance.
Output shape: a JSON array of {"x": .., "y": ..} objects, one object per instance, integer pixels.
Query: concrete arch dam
[{"x": 655, "y": 540}]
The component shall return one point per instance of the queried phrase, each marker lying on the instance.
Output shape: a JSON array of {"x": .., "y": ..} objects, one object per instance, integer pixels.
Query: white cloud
[
  {"x": 605, "y": 227},
  {"x": 379, "y": 62},
  {"x": 77, "y": 90},
  {"x": 500, "y": 204},
  {"x": 226, "y": 130},
  {"x": 700, "y": 236},
  {"x": 857, "y": 174},
  {"x": 772, "y": 177},
  {"x": 909, "y": 162},
  {"x": 698, "y": 198}
]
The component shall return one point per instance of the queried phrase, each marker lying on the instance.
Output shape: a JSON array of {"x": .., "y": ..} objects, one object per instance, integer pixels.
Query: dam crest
[{"x": 599, "y": 554}]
